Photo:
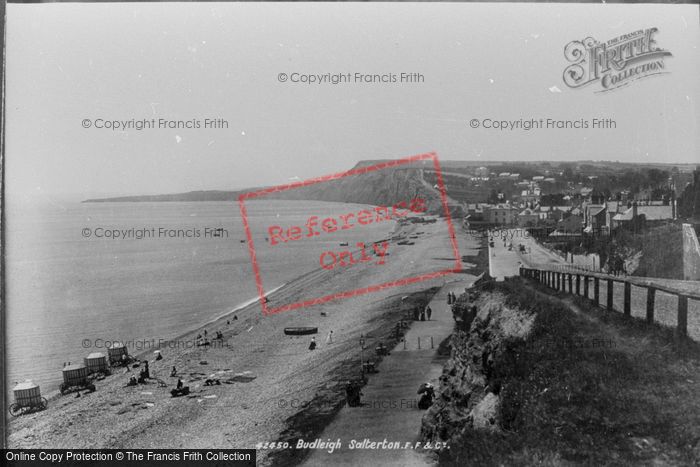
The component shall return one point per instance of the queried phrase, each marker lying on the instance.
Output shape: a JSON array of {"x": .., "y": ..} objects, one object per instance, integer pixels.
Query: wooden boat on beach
[{"x": 300, "y": 331}]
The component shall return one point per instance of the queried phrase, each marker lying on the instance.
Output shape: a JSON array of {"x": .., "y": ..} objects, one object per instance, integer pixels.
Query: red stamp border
[{"x": 351, "y": 293}]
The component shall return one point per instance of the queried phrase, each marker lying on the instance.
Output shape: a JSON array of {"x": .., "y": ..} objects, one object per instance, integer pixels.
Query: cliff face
[
  {"x": 537, "y": 378},
  {"x": 381, "y": 187},
  {"x": 469, "y": 392}
]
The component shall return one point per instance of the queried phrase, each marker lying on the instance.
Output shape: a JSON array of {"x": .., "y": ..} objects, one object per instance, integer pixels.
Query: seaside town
[
  {"x": 449, "y": 364},
  {"x": 583, "y": 209}
]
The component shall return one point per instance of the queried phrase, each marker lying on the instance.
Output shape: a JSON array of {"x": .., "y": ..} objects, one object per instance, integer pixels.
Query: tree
[{"x": 656, "y": 177}]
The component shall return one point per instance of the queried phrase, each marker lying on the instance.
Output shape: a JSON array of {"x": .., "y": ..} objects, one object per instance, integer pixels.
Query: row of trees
[{"x": 689, "y": 200}]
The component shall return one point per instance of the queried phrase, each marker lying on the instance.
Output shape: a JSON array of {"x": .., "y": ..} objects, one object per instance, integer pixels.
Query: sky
[{"x": 181, "y": 61}]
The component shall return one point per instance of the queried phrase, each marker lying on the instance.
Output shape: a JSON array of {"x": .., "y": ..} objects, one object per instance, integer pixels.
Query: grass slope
[{"x": 588, "y": 387}]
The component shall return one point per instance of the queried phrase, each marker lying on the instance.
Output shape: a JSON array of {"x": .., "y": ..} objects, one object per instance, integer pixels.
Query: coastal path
[{"x": 389, "y": 408}]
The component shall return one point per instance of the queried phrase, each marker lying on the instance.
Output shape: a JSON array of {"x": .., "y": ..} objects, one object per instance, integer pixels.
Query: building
[
  {"x": 531, "y": 196},
  {"x": 475, "y": 213},
  {"x": 594, "y": 218},
  {"x": 613, "y": 208},
  {"x": 501, "y": 214},
  {"x": 652, "y": 215},
  {"x": 528, "y": 218},
  {"x": 482, "y": 172}
]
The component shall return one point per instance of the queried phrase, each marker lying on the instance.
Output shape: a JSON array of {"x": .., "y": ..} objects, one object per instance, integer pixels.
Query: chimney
[{"x": 673, "y": 205}]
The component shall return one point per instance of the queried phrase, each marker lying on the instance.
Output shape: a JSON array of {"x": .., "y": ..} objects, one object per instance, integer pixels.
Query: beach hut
[
  {"x": 115, "y": 352},
  {"x": 75, "y": 375},
  {"x": 27, "y": 397},
  {"x": 96, "y": 363},
  {"x": 27, "y": 394}
]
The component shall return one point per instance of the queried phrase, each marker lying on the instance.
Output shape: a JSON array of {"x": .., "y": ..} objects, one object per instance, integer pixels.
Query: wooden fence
[{"x": 576, "y": 281}]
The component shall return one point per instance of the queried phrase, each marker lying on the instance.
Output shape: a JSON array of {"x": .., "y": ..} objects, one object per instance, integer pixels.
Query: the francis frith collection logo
[{"x": 616, "y": 63}]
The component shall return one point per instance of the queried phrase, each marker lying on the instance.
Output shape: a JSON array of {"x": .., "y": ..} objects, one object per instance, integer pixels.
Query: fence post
[
  {"x": 558, "y": 281},
  {"x": 611, "y": 287},
  {"x": 578, "y": 284},
  {"x": 585, "y": 286},
  {"x": 571, "y": 278},
  {"x": 431, "y": 342},
  {"x": 683, "y": 315},
  {"x": 628, "y": 299},
  {"x": 418, "y": 343},
  {"x": 651, "y": 295},
  {"x": 596, "y": 290}
]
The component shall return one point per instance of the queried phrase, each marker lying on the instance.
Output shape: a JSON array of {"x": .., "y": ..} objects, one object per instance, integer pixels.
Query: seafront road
[
  {"x": 389, "y": 403},
  {"x": 505, "y": 263}
]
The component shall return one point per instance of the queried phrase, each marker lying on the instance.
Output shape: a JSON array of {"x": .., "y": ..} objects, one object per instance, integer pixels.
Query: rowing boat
[{"x": 300, "y": 331}]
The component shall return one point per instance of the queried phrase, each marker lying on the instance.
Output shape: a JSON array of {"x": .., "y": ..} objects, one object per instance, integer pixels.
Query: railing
[{"x": 559, "y": 276}]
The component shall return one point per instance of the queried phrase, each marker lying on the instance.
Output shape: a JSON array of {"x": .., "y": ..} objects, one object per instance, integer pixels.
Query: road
[
  {"x": 389, "y": 403},
  {"x": 506, "y": 263}
]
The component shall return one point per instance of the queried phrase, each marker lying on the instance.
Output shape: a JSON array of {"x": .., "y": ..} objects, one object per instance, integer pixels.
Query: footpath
[{"x": 389, "y": 408}]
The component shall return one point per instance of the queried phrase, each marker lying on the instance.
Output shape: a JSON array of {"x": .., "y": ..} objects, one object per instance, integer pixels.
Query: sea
[{"x": 82, "y": 275}]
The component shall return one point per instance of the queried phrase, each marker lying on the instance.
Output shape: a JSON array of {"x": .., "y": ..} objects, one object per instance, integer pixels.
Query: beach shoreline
[
  {"x": 261, "y": 372},
  {"x": 71, "y": 295}
]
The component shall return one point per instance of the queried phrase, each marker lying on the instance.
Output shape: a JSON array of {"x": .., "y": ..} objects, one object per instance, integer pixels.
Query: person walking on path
[
  {"x": 428, "y": 312},
  {"x": 312, "y": 345},
  {"x": 329, "y": 339}
]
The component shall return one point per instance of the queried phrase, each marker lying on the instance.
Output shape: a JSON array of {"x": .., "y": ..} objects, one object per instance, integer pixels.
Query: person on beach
[
  {"x": 428, "y": 312},
  {"x": 353, "y": 394},
  {"x": 146, "y": 371},
  {"x": 180, "y": 383},
  {"x": 427, "y": 392},
  {"x": 312, "y": 345},
  {"x": 159, "y": 356},
  {"x": 329, "y": 339},
  {"x": 125, "y": 363},
  {"x": 422, "y": 315}
]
